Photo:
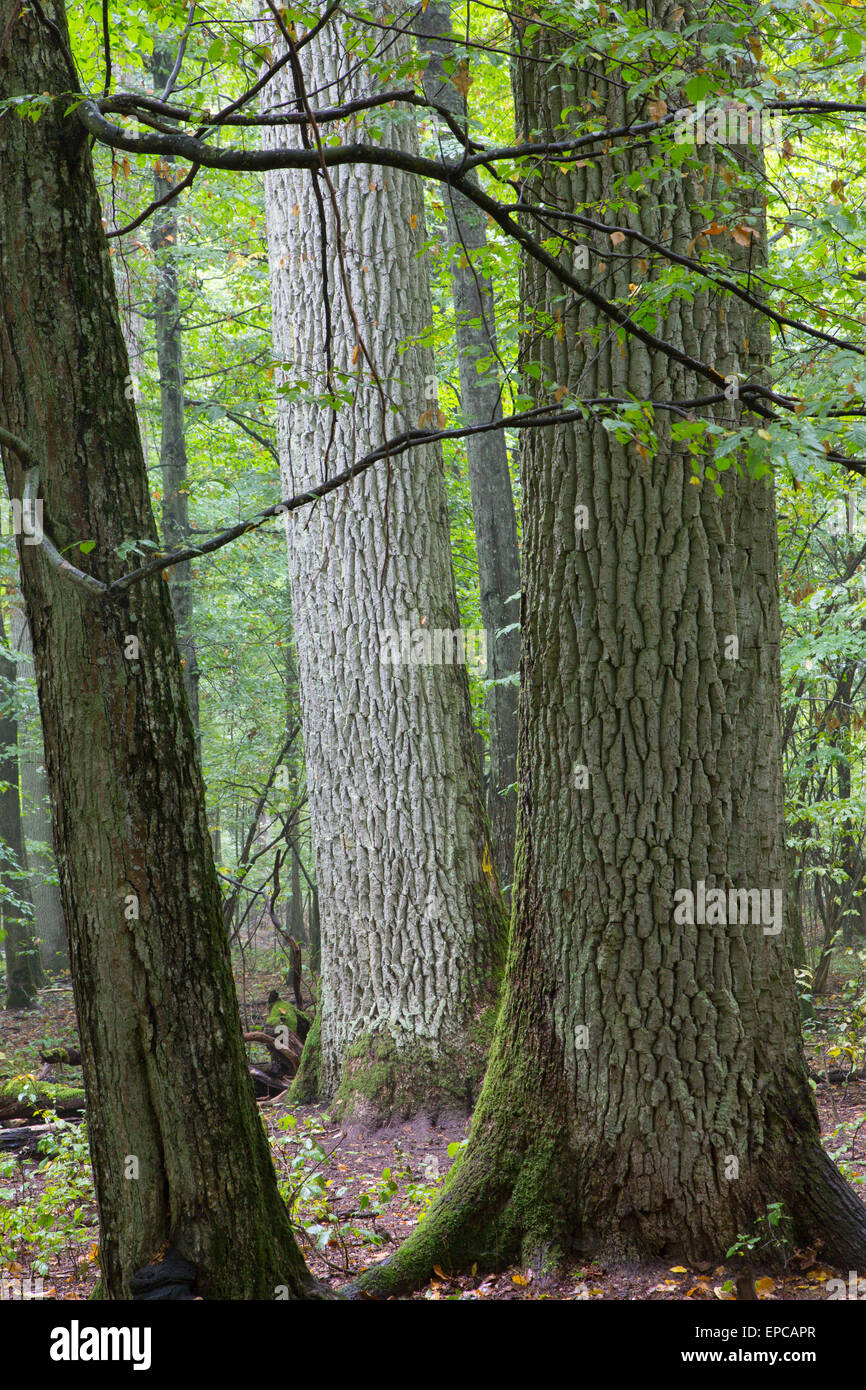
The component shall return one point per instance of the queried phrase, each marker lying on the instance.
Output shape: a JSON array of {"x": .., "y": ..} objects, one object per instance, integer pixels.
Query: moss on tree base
[
  {"x": 384, "y": 1083},
  {"x": 307, "y": 1085}
]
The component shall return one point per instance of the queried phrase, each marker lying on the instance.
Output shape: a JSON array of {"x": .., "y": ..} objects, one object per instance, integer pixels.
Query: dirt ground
[{"x": 359, "y": 1194}]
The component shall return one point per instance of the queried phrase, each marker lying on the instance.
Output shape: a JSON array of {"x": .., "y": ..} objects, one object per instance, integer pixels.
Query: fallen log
[
  {"x": 64, "y": 1100},
  {"x": 68, "y": 1055},
  {"x": 25, "y": 1139},
  {"x": 837, "y": 1076},
  {"x": 287, "y": 1052}
]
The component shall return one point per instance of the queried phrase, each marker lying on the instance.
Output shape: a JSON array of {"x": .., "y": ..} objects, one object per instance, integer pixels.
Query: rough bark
[
  {"x": 23, "y": 963},
  {"x": 412, "y": 922},
  {"x": 163, "y": 1057},
  {"x": 487, "y": 454},
  {"x": 686, "y": 1107},
  {"x": 36, "y": 814}
]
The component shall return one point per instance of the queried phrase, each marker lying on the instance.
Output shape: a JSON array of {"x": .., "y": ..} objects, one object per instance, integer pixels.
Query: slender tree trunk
[
  {"x": 178, "y": 1148},
  {"x": 647, "y": 1093},
  {"x": 172, "y": 448},
  {"x": 412, "y": 922},
  {"x": 36, "y": 814},
  {"x": 487, "y": 454},
  {"x": 23, "y": 964}
]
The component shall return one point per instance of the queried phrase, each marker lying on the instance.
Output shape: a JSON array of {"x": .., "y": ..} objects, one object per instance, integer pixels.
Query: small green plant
[
  {"x": 771, "y": 1239},
  {"x": 55, "y": 1212}
]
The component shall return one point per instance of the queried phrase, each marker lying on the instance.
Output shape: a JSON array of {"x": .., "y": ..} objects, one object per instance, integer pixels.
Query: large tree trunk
[
  {"x": 179, "y": 1153},
  {"x": 412, "y": 923},
  {"x": 23, "y": 963},
  {"x": 36, "y": 813},
  {"x": 487, "y": 454},
  {"x": 647, "y": 1093}
]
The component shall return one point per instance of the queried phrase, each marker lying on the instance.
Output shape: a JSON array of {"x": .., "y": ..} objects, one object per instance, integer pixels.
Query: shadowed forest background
[{"x": 432, "y": 651}]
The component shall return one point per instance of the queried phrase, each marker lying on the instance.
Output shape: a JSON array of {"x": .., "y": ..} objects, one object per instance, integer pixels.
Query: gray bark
[
  {"x": 411, "y": 914},
  {"x": 487, "y": 454}
]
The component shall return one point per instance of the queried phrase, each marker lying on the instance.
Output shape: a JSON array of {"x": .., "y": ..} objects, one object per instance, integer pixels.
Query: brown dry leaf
[
  {"x": 755, "y": 45},
  {"x": 658, "y": 109},
  {"x": 617, "y": 238},
  {"x": 743, "y": 235},
  {"x": 462, "y": 79},
  {"x": 765, "y": 1285}
]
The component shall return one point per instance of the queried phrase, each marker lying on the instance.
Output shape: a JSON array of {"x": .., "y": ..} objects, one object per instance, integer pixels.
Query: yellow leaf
[
  {"x": 765, "y": 1285},
  {"x": 413, "y": 221},
  {"x": 765, "y": 434},
  {"x": 519, "y": 1279},
  {"x": 679, "y": 1269}
]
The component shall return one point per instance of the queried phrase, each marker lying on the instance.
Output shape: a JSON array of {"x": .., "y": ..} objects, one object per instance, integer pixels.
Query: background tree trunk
[
  {"x": 23, "y": 964},
  {"x": 179, "y": 1153},
  {"x": 412, "y": 922},
  {"x": 172, "y": 448},
  {"x": 487, "y": 454},
  {"x": 36, "y": 812}
]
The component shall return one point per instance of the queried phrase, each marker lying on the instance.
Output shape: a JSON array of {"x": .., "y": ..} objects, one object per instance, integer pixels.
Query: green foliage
[
  {"x": 770, "y": 1239},
  {"x": 54, "y": 1214}
]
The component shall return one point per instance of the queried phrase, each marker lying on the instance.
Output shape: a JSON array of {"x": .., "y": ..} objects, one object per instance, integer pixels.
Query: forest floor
[{"x": 356, "y": 1195}]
